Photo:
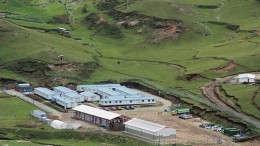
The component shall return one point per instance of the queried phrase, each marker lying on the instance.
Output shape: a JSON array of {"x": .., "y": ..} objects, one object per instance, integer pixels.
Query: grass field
[
  {"x": 214, "y": 33},
  {"x": 244, "y": 93}
]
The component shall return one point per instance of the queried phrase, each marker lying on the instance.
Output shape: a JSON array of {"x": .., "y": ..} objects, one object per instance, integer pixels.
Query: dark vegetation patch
[
  {"x": 207, "y": 6},
  {"x": 107, "y": 4},
  {"x": 61, "y": 19},
  {"x": 191, "y": 77},
  {"x": 231, "y": 27}
]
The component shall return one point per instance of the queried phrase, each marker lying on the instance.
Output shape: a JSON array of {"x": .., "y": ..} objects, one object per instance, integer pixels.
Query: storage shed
[
  {"x": 63, "y": 90},
  {"x": 246, "y": 78},
  {"x": 90, "y": 96},
  {"x": 96, "y": 116},
  {"x": 115, "y": 101},
  {"x": 25, "y": 88},
  {"x": 94, "y": 88},
  {"x": 148, "y": 130},
  {"x": 38, "y": 114},
  {"x": 76, "y": 96},
  {"x": 44, "y": 92},
  {"x": 64, "y": 101}
]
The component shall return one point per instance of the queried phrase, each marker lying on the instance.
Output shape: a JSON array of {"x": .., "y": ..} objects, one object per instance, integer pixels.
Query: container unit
[
  {"x": 231, "y": 131},
  {"x": 44, "y": 92},
  {"x": 90, "y": 96},
  {"x": 127, "y": 92},
  {"x": 117, "y": 101},
  {"x": 64, "y": 101},
  {"x": 62, "y": 90},
  {"x": 94, "y": 88},
  {"x": 76, "y": 96},
  {"x": 24, "y": 88},
  {"x": 105, "y": 93}
]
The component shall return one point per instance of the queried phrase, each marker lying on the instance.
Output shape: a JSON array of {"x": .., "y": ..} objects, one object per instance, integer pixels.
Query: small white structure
[
  {"x": 57, "y": 124},
  {"x": 65, "y": 101},
  {"x": 44, "y": 92},
  {"x": 117, "y": 101},
  {"x": 106, "y": 92},
  {"x": 148, "y": 130},
  {"x": 246, "y": 78},
  {"x": 90, "y": 96},
  {"x": 62, "y": 90},
  {"x": 38, "y": 114},
  {"x": 76, "y": 96},
  {"x": 94, "y": 88}
]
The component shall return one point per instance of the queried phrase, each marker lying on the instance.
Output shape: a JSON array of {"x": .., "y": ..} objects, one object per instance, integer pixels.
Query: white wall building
[
  {"x": 94, "y": 88},
  {"x": 44, "y": 92},
  {"x": 62, "y": 90},
  {"x": 117, "y": 101},
  {"x": 76, "y": 96},
  {"x": 246, "y": 78},
  {"x": 65, "y": 101},
  {"x": 90, "y": 96},
  {"x": 148, "y": 130}
]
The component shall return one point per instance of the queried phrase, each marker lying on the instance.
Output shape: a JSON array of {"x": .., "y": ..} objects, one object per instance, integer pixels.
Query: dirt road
[{"x": 209, "y": 91}]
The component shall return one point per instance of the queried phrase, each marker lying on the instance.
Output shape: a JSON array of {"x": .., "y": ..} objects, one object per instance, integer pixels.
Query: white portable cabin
[
  {"x": 246, "y": 78},
  {"x": 65, "y": 101},
  {"x": 44, "y": 92},
  {"x": 90, "y": 96},
  {"x": 38, "y": 114},
  {"x": 62, "y": 90},
  {"x": 105, "y": 92},
  {"x": 76, "y": 96},
  {"x": 127, "y": 92},
  {"x": 94, "y": 88},
  {"x": 118, "y": 101},
  {"x": 57, "y": 124},
  {"x": 148, "y": 130}
]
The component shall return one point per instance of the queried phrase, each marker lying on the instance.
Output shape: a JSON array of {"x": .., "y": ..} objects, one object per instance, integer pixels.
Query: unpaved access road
[{"x": 210, "y": 91}]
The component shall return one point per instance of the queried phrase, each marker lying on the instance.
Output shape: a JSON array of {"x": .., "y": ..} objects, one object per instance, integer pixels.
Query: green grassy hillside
[{"x": 174, "y": 43}]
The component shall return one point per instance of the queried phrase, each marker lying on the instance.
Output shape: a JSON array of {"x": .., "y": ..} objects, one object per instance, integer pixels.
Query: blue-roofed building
[
  {"x": 24, "y": 88},
  {"x": 60, "y": 90},
  {"x": 76, "y": 96},
  {"x": 94, "y": 88},
  {"x": 64, "y": 101},
  {"x": 44, "y": 92},
  {"x": 128, "y": 92},
  {"x": 106, "y": 92},
  {"x": 117, "y": 101},
  {"x": 90, "y": 96}
]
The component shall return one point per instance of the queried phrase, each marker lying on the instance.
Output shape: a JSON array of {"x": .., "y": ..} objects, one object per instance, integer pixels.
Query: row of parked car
[
  {"x": 185, "y": 116},
  {"x": 212, "y": 127},
  {"x": 114, "y": 108}
]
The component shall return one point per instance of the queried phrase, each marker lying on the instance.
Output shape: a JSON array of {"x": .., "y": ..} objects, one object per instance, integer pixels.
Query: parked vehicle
[
  {"x": 214, "y": 128},
  {"x": 132, "y": 107},
  {"x": 207, "y": 126},
  {"x": 238, "y": 137},
  {"x": 180, "y": 111},
  {"x": 220, "y": 129},
  {"x": 106, "y": 108},
  {"x": 127, "y": 107},
  {"x": 118, "y": 108},
  {"x": 113, "y": 108},
  {"x": 185, "y": 116}
]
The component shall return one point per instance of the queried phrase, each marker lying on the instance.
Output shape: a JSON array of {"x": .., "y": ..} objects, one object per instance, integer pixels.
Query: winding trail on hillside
[{"x": 210, "y": 91}]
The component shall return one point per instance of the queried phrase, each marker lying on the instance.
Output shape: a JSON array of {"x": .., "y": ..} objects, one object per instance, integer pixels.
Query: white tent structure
[
  {"x": 148, "y": 130},
  {"x": 56, "y": 124}
]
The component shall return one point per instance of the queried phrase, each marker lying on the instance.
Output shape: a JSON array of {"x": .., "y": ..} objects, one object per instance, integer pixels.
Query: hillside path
[{"x": 210, "y": 91}]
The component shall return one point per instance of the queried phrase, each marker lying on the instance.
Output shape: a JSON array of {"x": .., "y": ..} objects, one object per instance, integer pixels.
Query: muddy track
[{"x": 209, "y": 90}]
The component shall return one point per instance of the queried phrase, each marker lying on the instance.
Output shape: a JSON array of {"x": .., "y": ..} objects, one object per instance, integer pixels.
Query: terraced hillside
[{"x": 178, "y": 44}]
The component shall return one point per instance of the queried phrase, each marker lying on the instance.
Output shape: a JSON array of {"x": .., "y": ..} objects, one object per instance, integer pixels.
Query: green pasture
[{"x": 244, "y": 94}]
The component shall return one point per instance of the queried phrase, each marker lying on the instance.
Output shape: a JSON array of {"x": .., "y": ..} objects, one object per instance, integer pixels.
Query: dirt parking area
[{"x": 188, "y": 131}]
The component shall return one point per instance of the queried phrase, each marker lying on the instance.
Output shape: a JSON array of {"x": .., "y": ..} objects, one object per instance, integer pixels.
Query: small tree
[{"x": 85, "y": 9}]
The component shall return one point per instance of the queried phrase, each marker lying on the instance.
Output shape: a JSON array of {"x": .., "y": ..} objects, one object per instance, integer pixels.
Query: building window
[
  {"x": 153, "y": 100},
  {"x": 120, "y": 101},
  {"x": 105, "y": 101},
  {"x": 130, "y": 100},
  {"x": 115, "y": 101},
  {"x": 142, "y": 100},
  {"x": 149, "y": 100},
  {"x": 109, "y": 101}
]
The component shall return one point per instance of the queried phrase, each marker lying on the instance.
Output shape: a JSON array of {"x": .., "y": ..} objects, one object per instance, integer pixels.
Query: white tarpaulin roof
[
  {"x": 96, "y": 112},
  {"x": 246, "y": 76},
  {"x": 58, "y": 124},
  {"x": 145, "y": 125}
]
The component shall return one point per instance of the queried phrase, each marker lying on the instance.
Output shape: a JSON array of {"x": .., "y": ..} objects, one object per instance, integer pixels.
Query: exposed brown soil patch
[
  {"x": 36, "y": 74},
  {"x": 71, "y": 67},
  {"x": 61, "y": 19},
  {"x": 230, "y": 66},
  {"x": 191, "y": 77},
  {"x": 168, "y": 29}
]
